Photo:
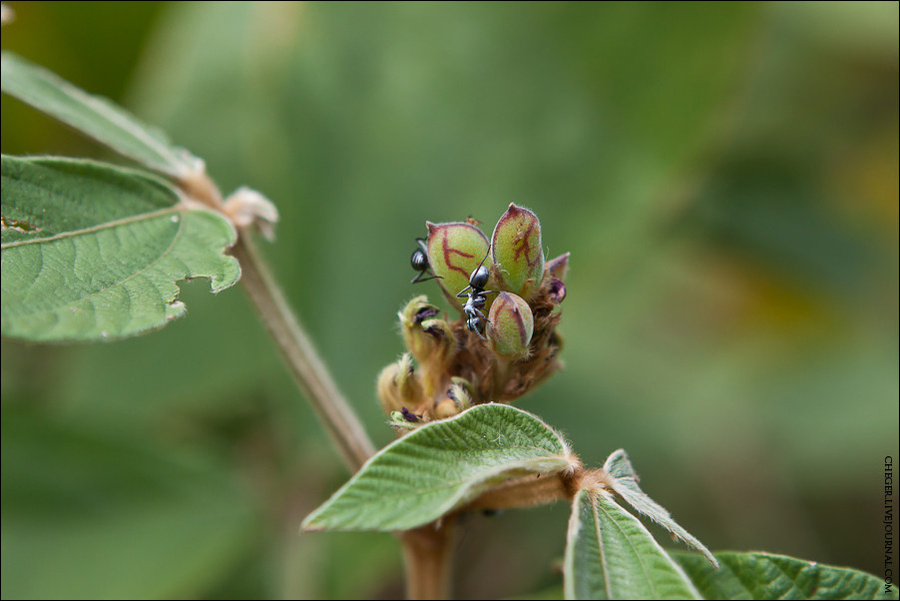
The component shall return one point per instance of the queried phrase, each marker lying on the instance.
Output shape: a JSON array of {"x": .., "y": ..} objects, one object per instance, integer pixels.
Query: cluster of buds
[{"x": 505, "y": 341}]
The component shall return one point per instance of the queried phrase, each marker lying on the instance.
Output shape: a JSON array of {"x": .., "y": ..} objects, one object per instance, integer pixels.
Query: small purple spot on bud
[
  {"x": 409, "y": 415},
  {"x": 426, "y": 312},
  {"x": 557, "y": 290}
]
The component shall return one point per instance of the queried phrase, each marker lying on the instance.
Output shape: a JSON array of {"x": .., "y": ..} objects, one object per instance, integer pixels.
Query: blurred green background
[{"x": 725, "y": 176}]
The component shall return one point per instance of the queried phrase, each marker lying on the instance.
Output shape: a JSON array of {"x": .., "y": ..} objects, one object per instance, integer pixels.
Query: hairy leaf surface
[
  {"x": 441, "y": 466},
  {"x": 625, "y": 482},
  {"x": 611, "y": 555},
  {"x": 770, "y": 576},
  {"x": 91, "y": 251}
]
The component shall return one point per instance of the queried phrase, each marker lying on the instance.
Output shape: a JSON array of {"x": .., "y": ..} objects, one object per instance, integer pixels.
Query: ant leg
[
  {"x": 481, "y": 319},
  {"x": 419, "y": 278},
  {"x": 477, "y": 331}
]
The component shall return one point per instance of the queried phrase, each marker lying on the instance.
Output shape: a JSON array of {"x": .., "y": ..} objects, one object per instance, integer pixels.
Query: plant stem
[
  {"x": 427, "y": 551},
  {"x": 428, "y": 555},
  {"x": 301, "y": 358}
]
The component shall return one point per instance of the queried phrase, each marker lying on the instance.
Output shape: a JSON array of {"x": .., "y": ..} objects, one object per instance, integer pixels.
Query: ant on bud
[
  {"x": 476, "y": 299},
  {"x": 419, "y": 262}
]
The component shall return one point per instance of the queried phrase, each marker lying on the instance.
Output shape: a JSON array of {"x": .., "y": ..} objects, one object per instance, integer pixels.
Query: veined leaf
[
  {"x": 94, "y": 116},
  {"x": 91, "y": 251},
  {"x": 611, "y": 555},
  {"x": 769, "y": 576},
  {"x": 624, "y": 483},
  {"x": 440, "y": 467}
]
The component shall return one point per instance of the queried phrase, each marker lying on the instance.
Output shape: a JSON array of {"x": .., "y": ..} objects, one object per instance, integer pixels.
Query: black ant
[
  {"x": 419, "y": 262},
  {"x": 476, "y": 299}
]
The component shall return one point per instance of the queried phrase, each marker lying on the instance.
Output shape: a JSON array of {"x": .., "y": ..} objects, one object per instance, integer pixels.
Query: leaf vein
[{"x": 96, "y": 228}]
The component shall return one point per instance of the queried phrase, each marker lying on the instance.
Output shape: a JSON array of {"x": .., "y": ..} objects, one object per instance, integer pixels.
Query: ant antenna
[{"x": 472, "y": 276}]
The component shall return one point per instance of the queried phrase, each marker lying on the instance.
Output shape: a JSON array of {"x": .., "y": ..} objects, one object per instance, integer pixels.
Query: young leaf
[
  {"x": 94, "y": 116},
  {"x": 768, "y": 576},
  {"x": 91, "y": 251},
  {"x": 440, "y": 467},
  {"x": 624, "y": 483},
  {"x": 611, "y": 555}
]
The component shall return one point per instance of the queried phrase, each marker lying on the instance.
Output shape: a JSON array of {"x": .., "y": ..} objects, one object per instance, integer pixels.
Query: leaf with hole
[
  {"x": 93, "y": 252},
  {"x": 440, "y": 467}
]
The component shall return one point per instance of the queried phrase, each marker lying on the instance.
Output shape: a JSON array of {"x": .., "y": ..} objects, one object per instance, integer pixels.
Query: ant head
[
  {"x": 479, "y": 278},
  {"x": 419, "y": 260}
]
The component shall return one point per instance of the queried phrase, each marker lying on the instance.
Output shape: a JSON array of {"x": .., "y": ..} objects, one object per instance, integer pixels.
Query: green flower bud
[
  {"x": 457, "y": 399},
  {"x": 387, "y": 389},
  {"x": 405, "y": 420},
  {"x": 398, "y": 385},
  {"x": 428, "y": 338},
  {"x": 417, "y": 310},
  {"x": 510, "y": 326},
  {"x": 442, "y": 341},
  {"x": 462, "y": 391},
  {"x": 454, "y": 251},
  {"x": 516, "y": 251}
]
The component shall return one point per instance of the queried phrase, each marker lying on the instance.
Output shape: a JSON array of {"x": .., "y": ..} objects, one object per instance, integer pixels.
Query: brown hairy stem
[{"x": 428, "y": 555}]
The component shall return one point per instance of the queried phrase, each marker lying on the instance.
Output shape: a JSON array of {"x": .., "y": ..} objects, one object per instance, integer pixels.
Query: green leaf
[
  {"x": 611, "y": 555},
  {"x": 440, "y": 467},
  {"x": 91, "y": 251},
  {"x": 769, "y": 576},
  {"x": 94, "y": 116},
  {"x": 624, "y": 483}
]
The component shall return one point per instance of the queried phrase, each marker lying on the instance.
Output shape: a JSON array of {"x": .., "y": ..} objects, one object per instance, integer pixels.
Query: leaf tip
[{"x": 311, "y": 523}]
